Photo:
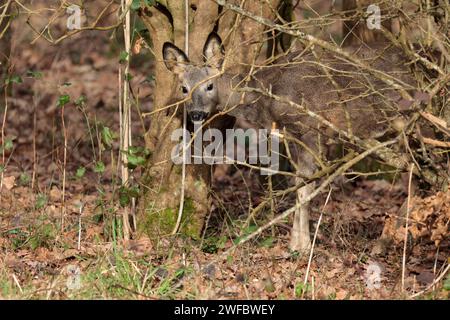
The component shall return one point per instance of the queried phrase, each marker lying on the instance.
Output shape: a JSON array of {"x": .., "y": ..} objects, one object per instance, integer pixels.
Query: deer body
[{"x": 353, "y": 102}]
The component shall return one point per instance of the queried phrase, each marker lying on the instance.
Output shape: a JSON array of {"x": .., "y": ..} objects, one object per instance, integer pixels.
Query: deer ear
[
  {"x": 174, "y": 58},
  {"x": 213, "y": 51}
]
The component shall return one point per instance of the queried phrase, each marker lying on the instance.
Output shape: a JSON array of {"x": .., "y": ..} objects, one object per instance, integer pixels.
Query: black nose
[{"x": 198, "y": 115}]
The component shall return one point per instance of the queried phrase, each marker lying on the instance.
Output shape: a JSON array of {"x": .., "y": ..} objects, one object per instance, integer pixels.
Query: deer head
[{"x": 198, "y": 83}]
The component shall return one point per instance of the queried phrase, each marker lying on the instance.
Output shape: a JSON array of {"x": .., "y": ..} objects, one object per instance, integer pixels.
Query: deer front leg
[{"x": 300, "y": 238}]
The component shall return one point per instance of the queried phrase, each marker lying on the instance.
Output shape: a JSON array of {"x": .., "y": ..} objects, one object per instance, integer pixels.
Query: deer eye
[
  {"x": 184, "y": 89},
  {"x": 209, "y": 87}
]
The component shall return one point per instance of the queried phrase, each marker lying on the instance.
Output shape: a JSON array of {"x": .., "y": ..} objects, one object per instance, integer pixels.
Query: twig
[
  {"x": 433, "y": 283},
  {"x": 3, "y": 141},
  {"x": 314, "y": 242},
  {"x": 408, "y": 208},
  {"x": 183, "y": 166},
  {"x": 436, "y": 143},
  {"x": 63, "y": 195},
  {"x": 79, "y": 227},
  {"x": 17, "y": 283},
  {"x": 125, "y": 124},
  {"x": 324, "y": 184}
]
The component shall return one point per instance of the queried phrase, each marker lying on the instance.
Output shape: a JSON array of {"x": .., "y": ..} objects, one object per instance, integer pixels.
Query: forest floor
[{"x": 43, "y": 254}]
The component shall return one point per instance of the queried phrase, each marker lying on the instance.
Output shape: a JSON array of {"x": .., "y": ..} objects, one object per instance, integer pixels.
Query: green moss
[
  {"x": 178, "y": 169},
  {"x": 189, "y": 225},
  {"x": 162, "y": 190},
  {"x": 157, "y": 223},
  {"x": 161, "y": 223}
]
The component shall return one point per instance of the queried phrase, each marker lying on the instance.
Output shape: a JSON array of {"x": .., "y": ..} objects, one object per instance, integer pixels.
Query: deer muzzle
[{"x": 197, "y": 116}]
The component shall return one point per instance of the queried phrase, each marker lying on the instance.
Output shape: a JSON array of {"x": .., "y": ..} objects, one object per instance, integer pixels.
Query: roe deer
[{"x": 355, "y": 103}]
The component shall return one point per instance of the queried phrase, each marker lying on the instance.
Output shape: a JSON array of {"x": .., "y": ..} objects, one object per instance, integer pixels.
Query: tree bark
[
  {"x": 5, "y": 51},
  {"x": 161, "y": 184}
]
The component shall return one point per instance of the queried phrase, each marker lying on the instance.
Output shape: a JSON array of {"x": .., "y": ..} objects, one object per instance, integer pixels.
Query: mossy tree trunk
[
  {"x": 5, "y": 52},
  {"x": 161, "y": 185},
  {"x": 5, "y": 49}
]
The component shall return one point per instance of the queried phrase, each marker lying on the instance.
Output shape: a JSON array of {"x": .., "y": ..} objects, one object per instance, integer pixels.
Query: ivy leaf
[
  {"x": 447, "y": 283},
  {"x": 125, "y": 195},
  {"x": 123, "y": 57},
  {"x": 41, "y": 201},
  {"x": 268, "y": 242},
  {"x": 80, "y": 172},
  {"x": 139, "y": 150},
  {"x": 8, "y": 144},
  {"x": 81, "y": 100},
  {"x": 63, "y": 100},
  {"x": 137, "y": 156},
  {"x": 136, "y": 4},
  {"x": 246, "y": 232},
  {"x": 107, "y": 136},
  {"x": 34, "y": 74},
  {"x": 99, "y": 167},
  {"x": 24, "y": 179},
  {"x": 135, "y": 161},
  {"x": 13, "y": 79}
]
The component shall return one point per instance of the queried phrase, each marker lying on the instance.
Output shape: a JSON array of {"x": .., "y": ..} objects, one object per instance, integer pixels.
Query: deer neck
[{"x": 239, "y": 104}]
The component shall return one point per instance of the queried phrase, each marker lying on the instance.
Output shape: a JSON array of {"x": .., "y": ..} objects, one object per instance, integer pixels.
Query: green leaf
[
  {"x": 24, "y": 179},
  {"x": 125, "y": 195},
  {"x": 107, "y": 136},
  {"x": 137, "y": 156},
  {"x": 268, "y": 242},
  {"x": 8, "y": 144},
  {"x": 134, "y": 161},
  {"x": 301, "y": 288},
  {"x": 136, "y": 4},
  {"x": 67, "y": 84},
  {"x": 80, "y": 172},
  {"x": 139, "y": 151},
  {"x": 128, "y": 76},
  {"x": 81, "y": 100},
  {"x": 41, "y": 201},
  {"x": 13, "y": 79},
  {"x": 63, "y": 100},
  {"x": 447, "y": 283},
  {"x": 2, "y": 168},
  {"x": 123, "y": 57},
  {"x": 124, "y": 199},
  {"x": 99, "y": 167},
  {"x": 34, "y": 74},
  {"x": 246, "y": 232}
]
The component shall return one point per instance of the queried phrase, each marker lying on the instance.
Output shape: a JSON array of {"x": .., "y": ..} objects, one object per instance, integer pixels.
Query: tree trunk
[
  {"x": 5, "y": 50},
  {"x": 161, "y": 185}
]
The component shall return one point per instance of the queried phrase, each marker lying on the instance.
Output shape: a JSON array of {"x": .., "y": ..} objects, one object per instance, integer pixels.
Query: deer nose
[{"x": 198, "y": 115}]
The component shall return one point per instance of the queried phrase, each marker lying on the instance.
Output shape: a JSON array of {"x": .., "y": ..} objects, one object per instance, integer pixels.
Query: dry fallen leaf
[
  {"x": 8, "y": 182},
  {"x": 341, "y": 294},
  {"x": 55, "y": 194}
]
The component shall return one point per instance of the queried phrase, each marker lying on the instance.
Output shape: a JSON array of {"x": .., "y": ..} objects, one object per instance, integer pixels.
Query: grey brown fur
[{"x": 351, "y": 99}]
